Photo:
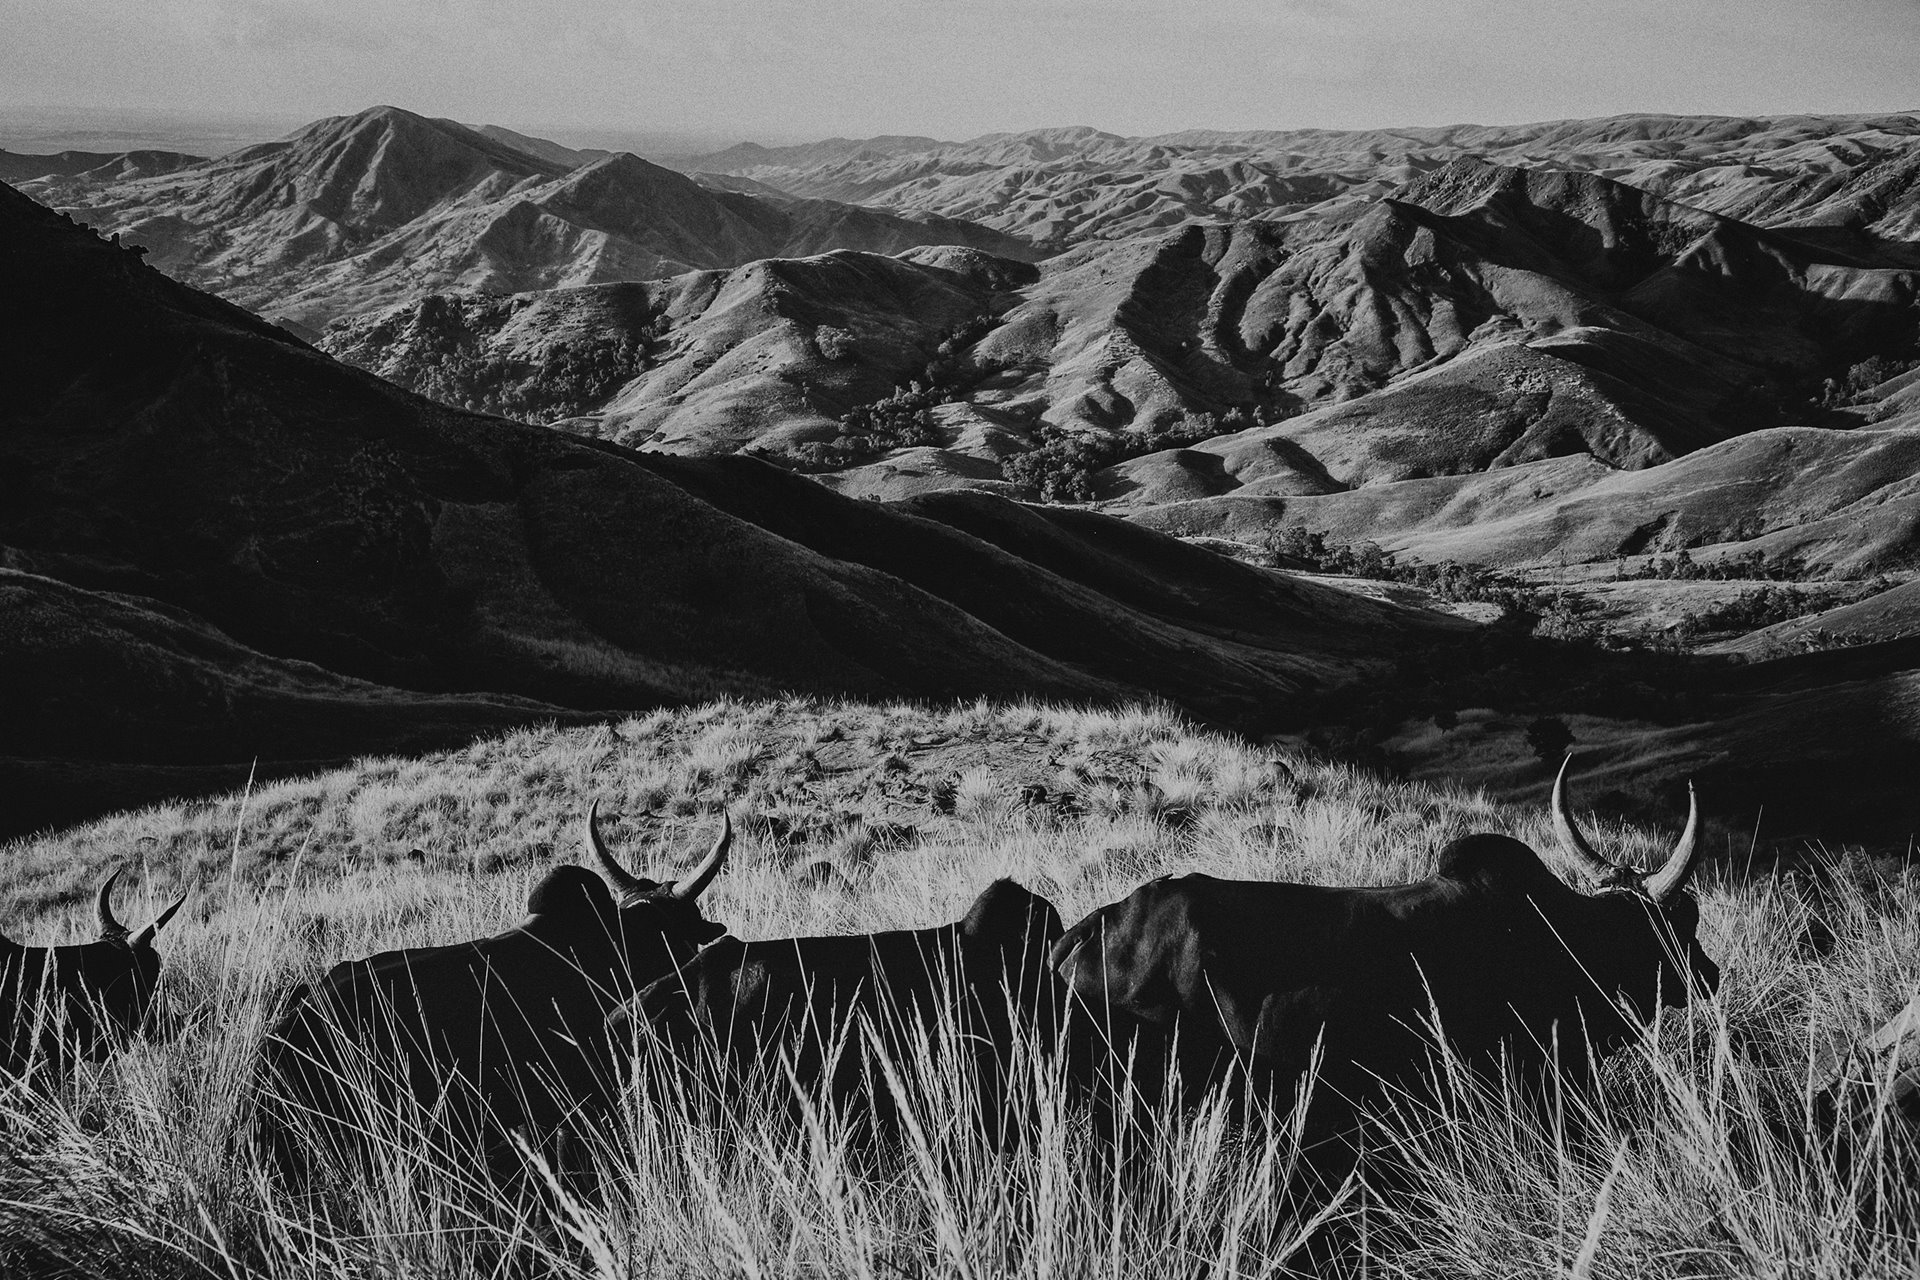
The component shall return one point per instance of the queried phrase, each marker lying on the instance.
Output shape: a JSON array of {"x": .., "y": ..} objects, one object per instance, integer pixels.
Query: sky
[{"x": 791, "y": 70}]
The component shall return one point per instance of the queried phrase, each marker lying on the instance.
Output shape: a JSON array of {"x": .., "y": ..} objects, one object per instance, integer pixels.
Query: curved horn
[
  {"x": 103, "y": 908},
  {"x": 145, "y": 937},
  {"x": 1576, "y": 855},
  {"x": 701, "y": 878},
  {"x": 1669, "y": 879},
  {"x": 623, "y": 879}
]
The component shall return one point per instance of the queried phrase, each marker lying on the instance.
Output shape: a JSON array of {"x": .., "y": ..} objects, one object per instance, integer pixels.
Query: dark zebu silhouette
[
  {"x": 476, "y": 1039},
  {"x": 1514, "y": 957},
  {"x": 742, "y": 1014},
  {"x": 76, "y": 1003}
]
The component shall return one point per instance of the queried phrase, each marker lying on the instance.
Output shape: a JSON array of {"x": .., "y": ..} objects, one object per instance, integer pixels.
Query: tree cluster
[
  {"x": 1062, "y": 464},
  {"x": 1678, "y": 565},
  {"x": 438, "y": 351},
  {"x": 903, "y": 418}
]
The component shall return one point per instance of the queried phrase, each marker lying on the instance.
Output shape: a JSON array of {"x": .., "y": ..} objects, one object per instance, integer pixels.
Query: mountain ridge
[
  {"x": 355, "y": 212},
  {"x": 1126, "y": 186}
]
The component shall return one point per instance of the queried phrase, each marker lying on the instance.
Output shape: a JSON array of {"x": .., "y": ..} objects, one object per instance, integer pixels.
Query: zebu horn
[
  {"x": 1588, "y": 869},
  {"x": 623, "y": 879},
  {"x": 145, "y": 937},
  {"x": 1671, "y": 878},
  {"x": 703, "y": 876},
  {"x": 110, "y": 928}
]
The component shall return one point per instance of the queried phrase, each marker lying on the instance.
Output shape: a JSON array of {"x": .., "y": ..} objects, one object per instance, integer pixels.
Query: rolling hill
[
  {"x": 775, "y": 351},
  {"x": 1479, "y": 330},
  {"x": 1842, "y": 501}
]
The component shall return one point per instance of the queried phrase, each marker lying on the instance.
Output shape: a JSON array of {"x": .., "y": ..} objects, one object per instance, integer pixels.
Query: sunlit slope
[
  {"x": 1477, "y": 317},
  {"x": 764, "y": 356},
  {"x": 1843, "y": 501}
]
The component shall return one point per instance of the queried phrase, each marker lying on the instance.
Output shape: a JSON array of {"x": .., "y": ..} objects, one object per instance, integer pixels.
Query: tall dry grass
[{"x": 1687, "y": 1160}]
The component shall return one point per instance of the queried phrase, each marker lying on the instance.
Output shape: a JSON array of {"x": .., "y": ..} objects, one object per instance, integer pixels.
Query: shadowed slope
[
  {"x": 163, "y": 444},
  {"x": 111, "y": 698}
]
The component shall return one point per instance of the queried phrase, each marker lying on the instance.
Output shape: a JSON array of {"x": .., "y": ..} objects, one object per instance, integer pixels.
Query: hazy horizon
[
  {"x": 714, "y": 72},
  {"x": 39, "y": 129}
]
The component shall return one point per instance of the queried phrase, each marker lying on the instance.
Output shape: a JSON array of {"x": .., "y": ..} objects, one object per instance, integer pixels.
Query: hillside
[
  {"x": 355, "y": 213},
  {"x": 1841, "y": 501},
  {"x": 169, "y": 453},
  {"x": 1476, "y": 322},
  {"x": 772, "y": 352}
]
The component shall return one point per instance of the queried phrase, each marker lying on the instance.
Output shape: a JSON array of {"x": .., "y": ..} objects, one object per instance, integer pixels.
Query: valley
[{"x": 1607, "y": 422}]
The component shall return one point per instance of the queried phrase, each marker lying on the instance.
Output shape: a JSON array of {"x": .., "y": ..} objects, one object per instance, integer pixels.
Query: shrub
[
  {"x": 1762, "y": 607},
  {"x": 1549, "y": 738},
  {"x": 832, "y": 342},
  {"x": 1448, "y": 579},
  {"x": 903, "y": 418}
]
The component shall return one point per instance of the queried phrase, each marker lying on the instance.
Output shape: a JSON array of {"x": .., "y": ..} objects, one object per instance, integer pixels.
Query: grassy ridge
[{"x": 137, "y": 1165}]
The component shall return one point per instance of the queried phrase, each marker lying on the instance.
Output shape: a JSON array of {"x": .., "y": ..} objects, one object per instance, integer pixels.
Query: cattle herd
[{"x": 1514, "y": 959}]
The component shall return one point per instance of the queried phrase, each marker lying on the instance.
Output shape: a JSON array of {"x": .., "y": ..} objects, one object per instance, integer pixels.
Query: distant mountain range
[
  {"x": 1059, "y": 186},
  {"x": 1482, "y": 331},
  {"x": 358, "y": 212},
  {"x": 92, "y": 166},
  {"x": 1516, "y": 334},
  {"x": 1567, "y": 340}
]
